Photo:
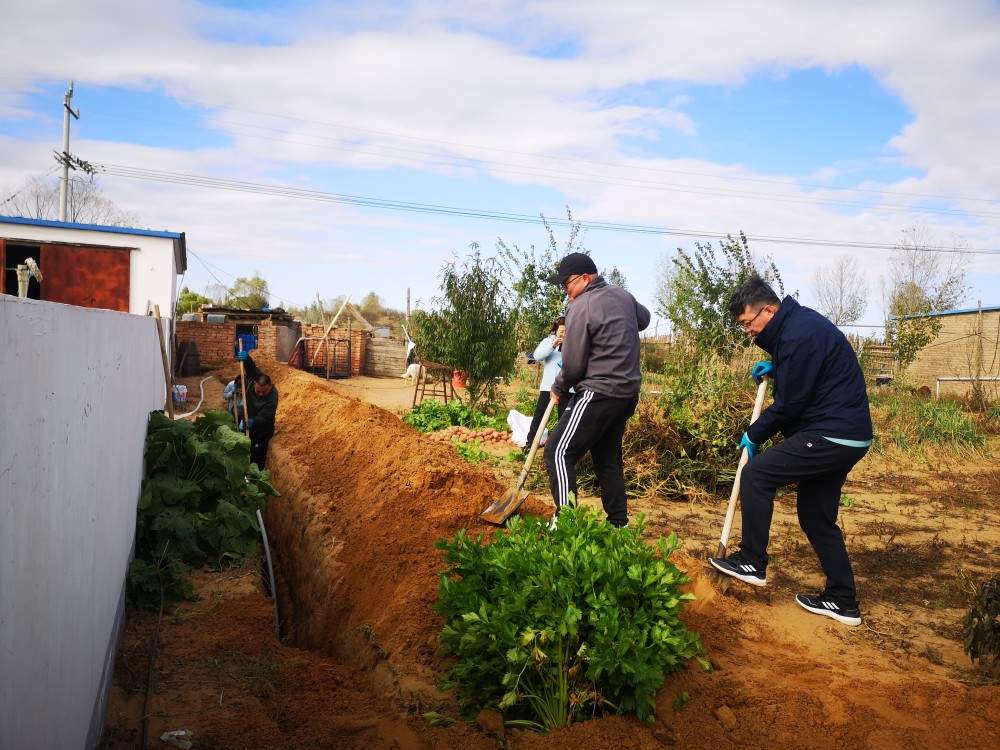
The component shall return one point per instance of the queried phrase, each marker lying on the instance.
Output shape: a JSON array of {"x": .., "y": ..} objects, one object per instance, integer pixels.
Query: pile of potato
[{"x": 466, "y": 435}]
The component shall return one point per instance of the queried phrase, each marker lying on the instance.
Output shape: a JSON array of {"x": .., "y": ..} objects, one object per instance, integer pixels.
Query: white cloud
[{"x": 392, "y": 90}]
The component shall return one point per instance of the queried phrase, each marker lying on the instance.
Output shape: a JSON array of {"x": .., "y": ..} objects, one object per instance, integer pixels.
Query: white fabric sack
[{"x": 519, "y": 426}]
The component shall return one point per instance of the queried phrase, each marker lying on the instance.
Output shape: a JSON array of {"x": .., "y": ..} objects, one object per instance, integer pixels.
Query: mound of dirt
[{"x": 364, "y": 499}]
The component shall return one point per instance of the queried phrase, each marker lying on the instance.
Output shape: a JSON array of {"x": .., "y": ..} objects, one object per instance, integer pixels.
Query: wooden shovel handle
[
  {"x": 727, "y": 527},
  {"x": 243, "y": 387}
]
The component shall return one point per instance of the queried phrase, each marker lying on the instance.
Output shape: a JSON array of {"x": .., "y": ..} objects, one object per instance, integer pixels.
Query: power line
[
  {"x": 472, "y": 162},
  {"x": 569, "y": 159},
  {"x": 217, "y": 183}
]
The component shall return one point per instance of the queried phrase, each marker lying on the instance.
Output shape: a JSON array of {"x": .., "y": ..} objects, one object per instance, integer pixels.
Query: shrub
[
  {"x": 551, "y": 627},
  {"x": 908, "y": 422}
]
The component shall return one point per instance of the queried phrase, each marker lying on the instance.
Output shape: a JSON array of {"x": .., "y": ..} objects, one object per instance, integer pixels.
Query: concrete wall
[
  {"x": 78, "y": 388},
  {"x": 153, "y": 271},
  {"x": 967, "y": 346}
]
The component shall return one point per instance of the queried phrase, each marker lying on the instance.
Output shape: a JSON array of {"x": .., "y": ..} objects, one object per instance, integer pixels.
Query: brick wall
[
  {"x": 967, "y": 346},
  {"x": 214, "y": 341}
]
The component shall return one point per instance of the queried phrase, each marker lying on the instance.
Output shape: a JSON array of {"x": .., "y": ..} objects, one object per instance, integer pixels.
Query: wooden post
[
  {"x": 166, "y": 363},
  {"x": 243, "y": 387}
]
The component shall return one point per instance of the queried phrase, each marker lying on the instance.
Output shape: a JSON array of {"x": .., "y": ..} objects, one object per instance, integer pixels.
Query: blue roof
[
  {"x": 963, "y": 311},
  {"x": 89, "y": 227},
  {"x": 180, "y": 244}
]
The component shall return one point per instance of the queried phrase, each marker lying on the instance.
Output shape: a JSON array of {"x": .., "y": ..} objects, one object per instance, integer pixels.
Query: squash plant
[
  {"x": 554, "y": 626},
  {"x": 198, "y": 505}
]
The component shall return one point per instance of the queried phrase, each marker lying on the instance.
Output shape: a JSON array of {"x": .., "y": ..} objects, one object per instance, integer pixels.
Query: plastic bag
[{"x": 519, "y": 426}]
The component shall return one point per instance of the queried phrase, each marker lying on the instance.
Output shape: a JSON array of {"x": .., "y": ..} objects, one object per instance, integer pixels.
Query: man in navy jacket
[{"x": 821, "y": 408}]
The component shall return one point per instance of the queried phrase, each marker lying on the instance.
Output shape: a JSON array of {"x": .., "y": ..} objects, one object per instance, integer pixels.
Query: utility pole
[{"x": 65, "y": 159}]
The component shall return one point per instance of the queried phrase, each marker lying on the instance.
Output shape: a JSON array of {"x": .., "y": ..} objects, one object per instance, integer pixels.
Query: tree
[
  {"x": 375, "y": 311},
  {"x": 250, "y": 294},
  {"x": 537, "y": 303},
  {"x": 923, "y": 279},
  {"x": 693, "y": 291},
  {"x": 473, "y": 328},
  {"x": 38, "y": 198},
  {"x": 841, "y": 291},
  {"x": 188, "y": 301}
]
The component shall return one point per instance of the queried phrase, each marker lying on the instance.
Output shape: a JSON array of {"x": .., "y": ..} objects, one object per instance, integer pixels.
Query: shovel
[
  {"x": 502, "y": 509},
  {"x": 727, "y": 527}
]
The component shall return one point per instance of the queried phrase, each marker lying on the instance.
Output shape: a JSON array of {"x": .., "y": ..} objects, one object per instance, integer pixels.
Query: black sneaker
[
  {"x": 737, "y": 567},
  {"x": 824, "y": 605}
]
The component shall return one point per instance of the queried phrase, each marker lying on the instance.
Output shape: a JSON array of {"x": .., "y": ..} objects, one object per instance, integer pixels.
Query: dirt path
[{"x": 364, "y": 499}]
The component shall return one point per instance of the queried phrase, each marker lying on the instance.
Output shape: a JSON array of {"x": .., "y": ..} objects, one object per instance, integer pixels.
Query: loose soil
[{"x": 364, "y": 497}]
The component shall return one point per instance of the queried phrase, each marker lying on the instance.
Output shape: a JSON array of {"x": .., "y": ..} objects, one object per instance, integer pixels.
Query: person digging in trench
[
  {"x": 821, "y": 408},
  {"x": 262, "y": 406}
]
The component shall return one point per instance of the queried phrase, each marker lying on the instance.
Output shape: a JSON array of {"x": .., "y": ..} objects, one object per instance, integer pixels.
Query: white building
[{"x": 113, "y": 268}]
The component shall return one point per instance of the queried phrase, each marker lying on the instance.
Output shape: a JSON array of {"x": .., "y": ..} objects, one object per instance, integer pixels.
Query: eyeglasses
[
  {"x": 746, "y": 324},
  {"x": 570, "y": 280}
]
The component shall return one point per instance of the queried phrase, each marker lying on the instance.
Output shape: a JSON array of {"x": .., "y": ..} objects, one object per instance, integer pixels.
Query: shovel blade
[{"x": 498, "y": 513}]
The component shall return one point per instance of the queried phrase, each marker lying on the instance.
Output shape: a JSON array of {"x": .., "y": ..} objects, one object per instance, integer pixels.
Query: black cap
[{"x": 571, "y": 265}]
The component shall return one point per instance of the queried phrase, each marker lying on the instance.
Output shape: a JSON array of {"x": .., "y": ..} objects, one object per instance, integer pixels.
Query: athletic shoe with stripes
[
  {"x": 738, "y": 568},
  {"x": 824, "y": 605}
]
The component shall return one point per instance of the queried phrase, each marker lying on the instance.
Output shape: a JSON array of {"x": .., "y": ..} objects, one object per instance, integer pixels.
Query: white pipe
[
  {"x": 937, "y": 386},
  {"x": 201, "y": 398}
]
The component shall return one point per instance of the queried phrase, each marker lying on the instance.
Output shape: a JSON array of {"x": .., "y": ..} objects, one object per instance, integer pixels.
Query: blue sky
[{"x": 787, "y": 120}]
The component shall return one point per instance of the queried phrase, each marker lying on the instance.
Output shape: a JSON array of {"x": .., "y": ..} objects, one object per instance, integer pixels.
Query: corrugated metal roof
[{"x": 963, "y": 311}]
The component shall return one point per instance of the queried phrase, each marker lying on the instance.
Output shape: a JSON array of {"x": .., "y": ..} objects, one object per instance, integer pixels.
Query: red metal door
[{"x": 87, "y": 276}]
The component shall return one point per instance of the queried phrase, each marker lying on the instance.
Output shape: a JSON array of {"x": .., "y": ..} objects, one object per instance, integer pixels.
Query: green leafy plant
[
  {"x": 473, "y": 452},
  {"x": 432, "y": 416},
  {"x": 551, "y": 627},
  {"x": 198, "y": 505}
]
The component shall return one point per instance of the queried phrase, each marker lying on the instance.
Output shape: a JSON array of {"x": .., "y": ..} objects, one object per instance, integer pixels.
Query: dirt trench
[{"x": 364, "y": 499}]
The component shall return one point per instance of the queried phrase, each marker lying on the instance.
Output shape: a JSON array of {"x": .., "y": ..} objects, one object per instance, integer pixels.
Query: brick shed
[
  {"x": 966, "y": 347},
  {"x": 211, "y": 342}
]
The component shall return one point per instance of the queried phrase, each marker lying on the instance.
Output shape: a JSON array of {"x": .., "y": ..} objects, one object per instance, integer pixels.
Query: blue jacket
[
  {"x": 552, "y": 358},
  {"x": 818, "y": 383}
]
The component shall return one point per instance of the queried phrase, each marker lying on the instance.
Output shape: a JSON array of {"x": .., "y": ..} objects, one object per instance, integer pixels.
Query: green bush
[
  {"x": 551, "y": 627},
  {"x": 432, "y": 416},
  {"x": 198, "y": 506}
]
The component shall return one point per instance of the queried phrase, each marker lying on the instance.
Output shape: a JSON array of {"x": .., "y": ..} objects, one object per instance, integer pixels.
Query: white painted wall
[
  {"x": 153, "y": 272},
  {"x": 78, "y": 386}
]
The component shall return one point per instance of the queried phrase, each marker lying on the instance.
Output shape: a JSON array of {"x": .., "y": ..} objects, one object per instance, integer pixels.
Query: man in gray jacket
[{"x": 601, "y": 365}]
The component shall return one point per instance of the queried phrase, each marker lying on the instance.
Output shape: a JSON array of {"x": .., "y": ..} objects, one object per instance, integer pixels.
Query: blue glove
[
  {"x": 752, "y": 448},
  {"x": 241, "y": 356},
  {"x": 760, "y": 370},
  {"x": 247, "y": 426}
]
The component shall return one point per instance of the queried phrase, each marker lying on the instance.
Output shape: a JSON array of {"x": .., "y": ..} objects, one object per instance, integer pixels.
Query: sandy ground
[{"x": 364, "y": 499}]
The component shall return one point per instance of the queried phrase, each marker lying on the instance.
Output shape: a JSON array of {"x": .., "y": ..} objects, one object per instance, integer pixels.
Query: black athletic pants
[
  {"x": 536, "y": 421},
  {"x": 596, "y": 423},
  {"x": 820, "y": 468},
  {"x": 259, "y": 438}
]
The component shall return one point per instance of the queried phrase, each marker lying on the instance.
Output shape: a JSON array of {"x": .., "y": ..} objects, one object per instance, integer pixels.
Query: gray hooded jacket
[{"x": 601, "y": 346}]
